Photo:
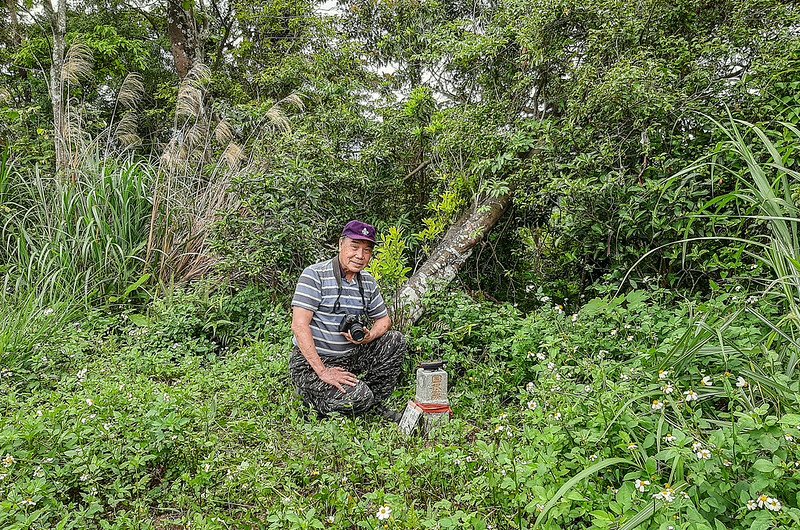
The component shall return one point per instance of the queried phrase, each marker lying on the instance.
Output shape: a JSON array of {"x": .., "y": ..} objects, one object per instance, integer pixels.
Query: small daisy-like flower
[
  {"x": 47, "y": 311},
  {"x": 761, "y": 500},
  {"x": 657, "y": 405},
  {"x": 27, "y": 502},
  {"x": 666, "y": 495},
  {"x": 499, "y": 428},
  {"x": 752, "y": 299},
  {"x": 751, "y": 505},
  {"x": 669, "y": 438},
  {"x": 541, "y": 356},
  {"x": 575, "y": 317},
  {"x": 632, "y": 446},
  {"x": 773, "y": 505},
  {"x": 668, "y": 389},
  {"x": 788, "y": 437},
  {"x": 588, "y": 389},
  {"x": 89, "y": 402},
  {"x": 741, "y": 382},
  {"x": 592, "y": 458},
  {"x": 82, "y": 374},
  {"x": 625, "y": 377},
  {"x": 703, "y": 454},
  {"x": 557, "y": 416},
  {"x": 614, "y": 332},
  {"x": 551, "y": 366},
  {"x": 602, "y": 354},
  {"x": 8, "y": 461},
  {"x": 707, "y": 381},
  {"x": 539, "y": 507},
  {"x": 532, "y": 405},
  {"x": 641, "y": 484},
  {"x": 630, "y": 338},
  {"x": 384, "y": 512},
  {"x": 663, "y": 374},
  {"x": 530, "y": 387},
  {"x": 738, "y": 288},
  {"x": 690, "y": 395},
  {"x": 331, "y": 519},
  {"x": 696, "y": 446}
]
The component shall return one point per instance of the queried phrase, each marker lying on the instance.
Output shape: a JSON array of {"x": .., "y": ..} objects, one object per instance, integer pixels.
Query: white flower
[
  {"x": 696, "y": 446},
  {"x": 541, "y": 356},
  {"x": 625, "y": 377},
  {"x": 530, "y": 387},
  {"x": 27, "y": 502},
  {"x": 588, "y": 389},
  {"x": 727, "y": 463},
  {"x": 741, "y": 382},
  {"x": 707, "y": 381},
  {"x": 703, "y": 454},
  {"x": 630, "y": 338},
  {"x": 89, "y": 402},
  {"x": 669, "y": 438},
  {"x": 663, "y": 374},
  {"x": 774, "y": 505},
  {"x": 498, "y": 428},
  {"x": 632, "y": 446},
  {"x": 788, "y": 437},
  {"x": 657, "y": 405},
  {"x": 82, "y": 375},
  {"x": 691, "y": 395},
  {"x": 762, "y": 500},
  {"x": 38, "y": 472},
  {"x": 592, "y": 458},
  {"x": 8, "y": 461},
  {"x": 532, "y": 405},
  {"x": 557, "y": 416},
  {"x": 384, "y": 512},
  {"x": 641, "y": 484},
  {"x": 738, "y": 288},
  {"x": 752, "y": 299},
  {"x": 331, "y": 519},
  {"x": 47, "y": 311},
  {"x": 551, "y": 366},
  {"x": 544, "y": 299},
  {"x": 666, "y": 495},
  {"x": 667, "y": 389},
  {"x": 575, "y": 317},
  {"x": 751, "y": 505}
]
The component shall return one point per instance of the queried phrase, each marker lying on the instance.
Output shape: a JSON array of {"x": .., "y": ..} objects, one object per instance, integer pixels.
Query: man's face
[{"x": 354, "y": 254}]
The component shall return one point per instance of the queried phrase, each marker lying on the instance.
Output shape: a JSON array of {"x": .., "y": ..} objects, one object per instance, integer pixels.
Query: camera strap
[{"x": 337, "y": 273}]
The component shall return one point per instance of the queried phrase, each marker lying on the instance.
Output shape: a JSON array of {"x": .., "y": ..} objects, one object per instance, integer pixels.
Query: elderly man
[{"x": 341, "y": 331}]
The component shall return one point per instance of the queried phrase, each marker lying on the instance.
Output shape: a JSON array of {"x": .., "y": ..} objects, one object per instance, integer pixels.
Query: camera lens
[{"x": 357, "y": 331}]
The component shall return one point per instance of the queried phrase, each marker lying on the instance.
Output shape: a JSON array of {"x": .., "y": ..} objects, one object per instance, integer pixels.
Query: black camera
[{"x": 354, "y": 325}]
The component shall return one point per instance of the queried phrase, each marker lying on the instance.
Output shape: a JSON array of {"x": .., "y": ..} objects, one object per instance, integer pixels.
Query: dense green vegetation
[{"x": 622, "y": 344}]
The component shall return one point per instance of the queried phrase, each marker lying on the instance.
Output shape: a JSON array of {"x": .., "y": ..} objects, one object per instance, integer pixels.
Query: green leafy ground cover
[{"x": 184, "y": 418}]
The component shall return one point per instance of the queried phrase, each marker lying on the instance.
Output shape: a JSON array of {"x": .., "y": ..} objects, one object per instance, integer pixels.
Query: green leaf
[
  {"x": 568, "y": 485},
  {"x": 764, "y": 466}
]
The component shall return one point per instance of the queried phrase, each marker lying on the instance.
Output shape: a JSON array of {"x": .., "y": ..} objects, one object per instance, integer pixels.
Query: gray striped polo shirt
[{"x": 317, "y": 290}]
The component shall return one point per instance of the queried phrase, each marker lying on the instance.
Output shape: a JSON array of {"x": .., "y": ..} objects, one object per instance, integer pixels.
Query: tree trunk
[
  {"x": 183, "y": 37},
  {"x": 448, "y": 257},
  {"x": 58, "y": 22}
]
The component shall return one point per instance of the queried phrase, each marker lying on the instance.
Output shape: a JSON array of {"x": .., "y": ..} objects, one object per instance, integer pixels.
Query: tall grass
[
  {"x": 81, "y": 238},
  {"x": 767, "y": 190}
]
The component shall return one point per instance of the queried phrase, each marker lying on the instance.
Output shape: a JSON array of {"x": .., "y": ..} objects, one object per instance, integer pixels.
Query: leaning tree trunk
[{"x": 448, "y": 257}]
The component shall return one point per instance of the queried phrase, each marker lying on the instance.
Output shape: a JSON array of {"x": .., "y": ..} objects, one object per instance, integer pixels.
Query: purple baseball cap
[{"x": 359, "y": 230}]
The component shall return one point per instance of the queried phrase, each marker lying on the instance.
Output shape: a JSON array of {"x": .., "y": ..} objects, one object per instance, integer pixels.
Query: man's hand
[
  {"x": 367, "y": 337},
  {"x": 337, "y": 377}
]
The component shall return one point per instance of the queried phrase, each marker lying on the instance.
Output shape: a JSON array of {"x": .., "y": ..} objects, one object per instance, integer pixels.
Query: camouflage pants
[{"x": 377, "y": 365}]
